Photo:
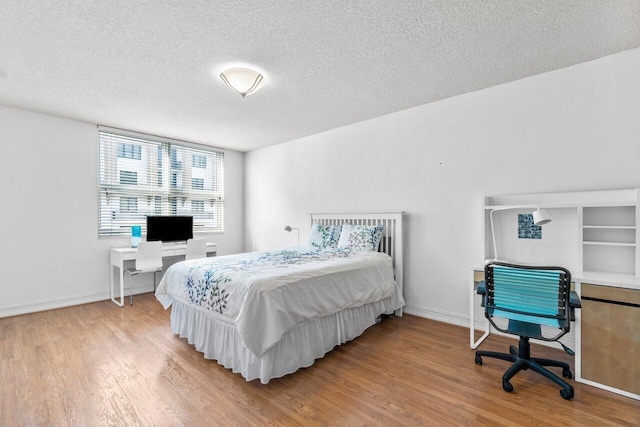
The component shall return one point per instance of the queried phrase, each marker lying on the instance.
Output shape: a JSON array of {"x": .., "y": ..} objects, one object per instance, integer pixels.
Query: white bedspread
[{"x": 265, "y": 294}]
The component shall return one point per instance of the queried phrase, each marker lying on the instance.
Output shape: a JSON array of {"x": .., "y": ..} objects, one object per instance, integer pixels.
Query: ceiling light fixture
[{"x": 242, "y": 80}]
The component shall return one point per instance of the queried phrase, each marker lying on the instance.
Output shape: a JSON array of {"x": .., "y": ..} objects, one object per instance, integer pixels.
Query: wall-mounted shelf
[
  {"x": 609, "y": 244},
  {"x": 611, "y": 227}
]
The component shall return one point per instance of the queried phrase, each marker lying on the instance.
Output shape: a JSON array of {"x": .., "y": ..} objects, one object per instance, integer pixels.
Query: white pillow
[
  {"x": 324, "y": 236},
  {"x": 360, "y": 237}
]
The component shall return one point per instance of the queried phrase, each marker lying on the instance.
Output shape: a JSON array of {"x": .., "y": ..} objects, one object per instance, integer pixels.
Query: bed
[{"x": 267, "y": 314}]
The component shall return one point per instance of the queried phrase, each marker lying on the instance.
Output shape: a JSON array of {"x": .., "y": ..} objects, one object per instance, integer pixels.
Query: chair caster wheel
[
  {"x": 566, "y": 394},
  {"x": 567, "y": 373},
  {"x": 506, "y": 386},
  {"x": 513, "y": 349},
  {"x": 478, "y": 360}
]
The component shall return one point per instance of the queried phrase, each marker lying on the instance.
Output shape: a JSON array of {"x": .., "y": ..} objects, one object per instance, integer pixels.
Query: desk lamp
[
  {"x": 290, "y": 229},
  {"x": 540, "y": 217}
]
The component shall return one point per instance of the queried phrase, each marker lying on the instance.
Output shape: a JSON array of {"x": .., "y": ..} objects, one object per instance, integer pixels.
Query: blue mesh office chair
[{"x": 529, "y": 298}]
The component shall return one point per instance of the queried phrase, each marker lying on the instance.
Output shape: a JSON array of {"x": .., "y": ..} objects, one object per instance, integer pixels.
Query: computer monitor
[{"x": 169, "y": 228}]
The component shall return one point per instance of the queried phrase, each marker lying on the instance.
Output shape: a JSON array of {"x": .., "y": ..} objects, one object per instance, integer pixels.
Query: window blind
[{"x": 142, "y": 175}]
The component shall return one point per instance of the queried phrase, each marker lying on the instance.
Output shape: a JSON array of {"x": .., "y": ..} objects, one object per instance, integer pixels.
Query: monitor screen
[{"x": 169, "y": 228}]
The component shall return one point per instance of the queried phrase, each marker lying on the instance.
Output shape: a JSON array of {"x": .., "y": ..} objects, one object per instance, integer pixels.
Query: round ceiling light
[{"x": 242, "y": 80}]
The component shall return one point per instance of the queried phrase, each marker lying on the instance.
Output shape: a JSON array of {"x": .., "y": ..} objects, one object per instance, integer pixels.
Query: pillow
[
  {"x": 324, "y": 236},
  {"x": 360, "y": 237}
]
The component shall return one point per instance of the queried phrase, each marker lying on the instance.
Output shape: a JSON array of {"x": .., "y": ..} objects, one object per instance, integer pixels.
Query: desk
[
  {"x": 477, "y": 275},
  {"x": 120, "y": 255}
]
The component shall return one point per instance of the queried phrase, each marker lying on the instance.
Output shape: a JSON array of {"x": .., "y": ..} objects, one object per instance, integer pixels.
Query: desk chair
[
  {"x": 196, "y": 248},
  {"x": 529, "y": 298},
  {"x": 148, "y": 259}
]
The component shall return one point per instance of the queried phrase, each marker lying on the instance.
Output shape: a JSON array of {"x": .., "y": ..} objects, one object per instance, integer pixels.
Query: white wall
[
  {"x": 50, "y": 253},
  {"x": 573, "y": 129}
]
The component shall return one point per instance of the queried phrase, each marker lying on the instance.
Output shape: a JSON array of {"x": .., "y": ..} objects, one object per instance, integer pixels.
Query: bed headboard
[{"x": 391, "y": 241}]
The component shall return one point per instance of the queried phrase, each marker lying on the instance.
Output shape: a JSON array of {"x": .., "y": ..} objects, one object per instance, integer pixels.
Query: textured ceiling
[{"x": 152, "y": 66}]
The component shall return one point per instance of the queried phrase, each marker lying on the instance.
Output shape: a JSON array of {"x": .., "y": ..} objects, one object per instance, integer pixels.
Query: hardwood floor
[{"x": 98, "y": 364}]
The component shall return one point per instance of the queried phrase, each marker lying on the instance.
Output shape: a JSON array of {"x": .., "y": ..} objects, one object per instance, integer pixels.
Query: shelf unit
[
  {"x": 609, "y": 238},
  {"x": 607, "y": 222}
]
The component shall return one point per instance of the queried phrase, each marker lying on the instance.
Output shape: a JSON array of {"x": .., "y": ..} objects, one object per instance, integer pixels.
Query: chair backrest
[
  {"x": 149, "y": 256},
  {"x": 529, "y": 295},
  {"x": 196, "y": 248}
]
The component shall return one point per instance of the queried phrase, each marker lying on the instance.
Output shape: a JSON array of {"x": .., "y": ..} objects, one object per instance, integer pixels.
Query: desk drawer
[{"x": 629, "y": 296}]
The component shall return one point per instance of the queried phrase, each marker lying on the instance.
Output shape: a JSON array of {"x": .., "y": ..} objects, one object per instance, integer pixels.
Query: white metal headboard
[{"x": 391, "y": 241}]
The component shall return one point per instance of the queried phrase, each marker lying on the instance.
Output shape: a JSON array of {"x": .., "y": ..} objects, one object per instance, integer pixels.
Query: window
[
  {"x": 175, "y": 155},
  {"x": 141, "y": 175},
  {"x": 197, "y": 206},
  {"x": 197, "y": 183},
  {"x": 199, "y": 161},
  {"x": 176, "y": 180},
  {"x": 159, "y": 173},
  {"x": 128, "y": 177},
  {"x": 129, "y": 151},
  {"x": 157, "y": 205},
  {"x": 128, "y": 204}
]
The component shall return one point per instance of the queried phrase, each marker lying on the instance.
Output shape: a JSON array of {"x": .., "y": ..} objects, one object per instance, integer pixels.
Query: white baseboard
[
  {"x": 51, "y": 304},
  {"x": 463, "y": 320},
  {"x": 439, "y": 315}
]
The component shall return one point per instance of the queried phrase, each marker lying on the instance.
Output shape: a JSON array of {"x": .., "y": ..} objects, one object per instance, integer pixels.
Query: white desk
[
  {"x": 477, "y": 275},
  {"x": 120, "y": 255}
]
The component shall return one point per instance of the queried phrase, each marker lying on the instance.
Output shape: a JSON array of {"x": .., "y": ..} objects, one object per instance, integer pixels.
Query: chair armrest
[
  {"x": 574, "y": 302},
  {"x": 482, "y": 288}
]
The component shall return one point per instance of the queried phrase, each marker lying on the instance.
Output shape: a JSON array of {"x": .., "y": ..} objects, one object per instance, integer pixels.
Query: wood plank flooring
[{"x": 98, "y": 364}]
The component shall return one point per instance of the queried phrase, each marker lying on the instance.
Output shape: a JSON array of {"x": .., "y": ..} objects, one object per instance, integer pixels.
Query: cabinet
[{"x": 610, "y": 347}]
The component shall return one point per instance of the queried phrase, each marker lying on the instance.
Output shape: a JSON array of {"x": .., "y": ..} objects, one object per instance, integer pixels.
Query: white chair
[
  {"x": 196, "y": 248},
  {"x": 148, "y": 259}
]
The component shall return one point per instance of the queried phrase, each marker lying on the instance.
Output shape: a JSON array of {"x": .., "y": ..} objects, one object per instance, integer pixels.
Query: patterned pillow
[
  {"x": 360, "y": 237},
  {"x": 324, "y": 236}
]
